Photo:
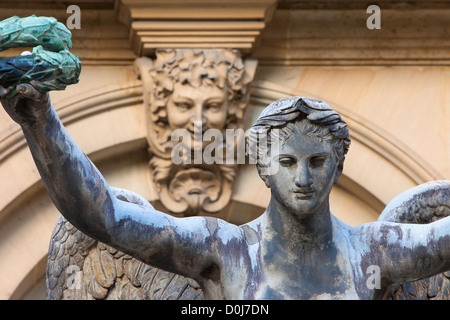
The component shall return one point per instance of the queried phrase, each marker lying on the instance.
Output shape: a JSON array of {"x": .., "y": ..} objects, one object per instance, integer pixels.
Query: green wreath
[{"x": 51, "y": 66}]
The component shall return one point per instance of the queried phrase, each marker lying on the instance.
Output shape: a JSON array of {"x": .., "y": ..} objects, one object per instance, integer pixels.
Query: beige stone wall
[{"x": 392, "y": 91}]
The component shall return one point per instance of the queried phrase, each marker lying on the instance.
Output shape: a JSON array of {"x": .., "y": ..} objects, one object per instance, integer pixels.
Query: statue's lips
[{"x": 303, "y": 194}]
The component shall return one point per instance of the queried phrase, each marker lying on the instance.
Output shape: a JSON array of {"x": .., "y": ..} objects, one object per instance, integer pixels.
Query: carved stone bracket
[
  {"x": 196, "y": 74},
  {"x": 182, "y": 87}
]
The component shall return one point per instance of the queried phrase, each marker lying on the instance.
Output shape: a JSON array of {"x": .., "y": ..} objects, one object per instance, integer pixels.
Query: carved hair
[
  {"x": 299, "y": 115},
  {"x": 223, "y": 68}
]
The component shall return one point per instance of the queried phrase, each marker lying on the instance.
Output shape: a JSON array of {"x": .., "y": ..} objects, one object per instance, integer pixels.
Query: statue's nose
[
  {"x": 199, "y": 118},
  {"x": 303, "y": 177}
]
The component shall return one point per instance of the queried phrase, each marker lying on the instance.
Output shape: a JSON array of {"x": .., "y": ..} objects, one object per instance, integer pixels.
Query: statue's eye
[
  {"x": 317, "y": 161},
  {"x": 183, "y": 106},
  {"x": 214, "y": 106},
  {"x": 286, "y": 161}
]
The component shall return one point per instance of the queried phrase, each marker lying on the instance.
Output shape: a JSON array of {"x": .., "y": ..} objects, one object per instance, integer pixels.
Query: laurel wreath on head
[{"x": 50, "y": 66}]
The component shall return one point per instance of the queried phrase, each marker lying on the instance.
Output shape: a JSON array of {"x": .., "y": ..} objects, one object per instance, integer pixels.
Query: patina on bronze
[
  {"x": 51, "y": 66},
  {"x": 295, "y": 250}
]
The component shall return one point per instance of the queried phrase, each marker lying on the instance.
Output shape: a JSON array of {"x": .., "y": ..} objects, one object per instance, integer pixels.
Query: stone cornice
[{"x": 232, "y": 24}]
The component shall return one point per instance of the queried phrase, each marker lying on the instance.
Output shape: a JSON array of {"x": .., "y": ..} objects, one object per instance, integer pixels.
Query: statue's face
[
  {"x": 206, "y": 104},
  {"x": 307, "y": 170}
]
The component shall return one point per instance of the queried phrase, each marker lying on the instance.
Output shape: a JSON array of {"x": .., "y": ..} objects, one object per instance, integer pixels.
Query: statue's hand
[{"x": 24, "y": 103}]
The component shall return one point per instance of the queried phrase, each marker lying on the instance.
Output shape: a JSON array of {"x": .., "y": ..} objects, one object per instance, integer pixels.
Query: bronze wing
[
  {"x": 425, "y": 203},
  {"x": 81, "y": 268}
]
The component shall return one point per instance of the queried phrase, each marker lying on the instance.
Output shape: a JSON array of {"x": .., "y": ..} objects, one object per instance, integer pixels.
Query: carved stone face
[
  {"x": 206, "y": 104},
  {"x": 307, "y": 170},
  {"x": 195, "y": 90}
]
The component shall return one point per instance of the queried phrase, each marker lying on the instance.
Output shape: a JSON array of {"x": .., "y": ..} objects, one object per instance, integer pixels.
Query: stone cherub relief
[{"x": 295, "y": 250}]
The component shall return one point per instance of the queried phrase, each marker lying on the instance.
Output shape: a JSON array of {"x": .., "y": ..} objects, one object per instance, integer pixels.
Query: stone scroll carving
[{"x": 193, "y": 90}]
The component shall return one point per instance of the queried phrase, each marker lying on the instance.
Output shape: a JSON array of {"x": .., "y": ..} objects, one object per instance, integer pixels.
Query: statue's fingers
[
  {"x": 28, "y": 91},
  {"x": 3, "y": 92},
  {"x": 7, "y": 92}
]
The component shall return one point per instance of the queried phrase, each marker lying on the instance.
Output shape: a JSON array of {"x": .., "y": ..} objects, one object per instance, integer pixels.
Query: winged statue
[
  {"x": 106, "y": 273},
  {"x": 258, "y": 260}
]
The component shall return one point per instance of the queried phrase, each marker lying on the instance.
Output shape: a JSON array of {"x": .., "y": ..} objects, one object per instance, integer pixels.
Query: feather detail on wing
[
  {"x": 81, "y": 268},
  {"x": 425, "y": 203}
]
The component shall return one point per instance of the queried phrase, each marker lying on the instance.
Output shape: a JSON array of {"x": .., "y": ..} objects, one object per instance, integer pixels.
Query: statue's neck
[{"x": 299, "y": 230}]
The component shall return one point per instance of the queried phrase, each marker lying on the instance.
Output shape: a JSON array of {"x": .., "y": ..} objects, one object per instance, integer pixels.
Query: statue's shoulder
[
  {"x": 355, "y": 235},
  {"x": 252, "y": 231}
]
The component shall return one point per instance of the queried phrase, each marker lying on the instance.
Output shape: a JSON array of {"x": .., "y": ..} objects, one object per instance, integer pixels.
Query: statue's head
[
  {"x": 311, "y": 143},
  {"x": 207, "y": 88}
]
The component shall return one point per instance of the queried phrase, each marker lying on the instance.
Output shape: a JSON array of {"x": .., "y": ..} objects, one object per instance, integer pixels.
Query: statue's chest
[
  {"x": 326, "y": 275},
  {"x": 286, "y": 278},
  {"x": 302, "y": 288}
]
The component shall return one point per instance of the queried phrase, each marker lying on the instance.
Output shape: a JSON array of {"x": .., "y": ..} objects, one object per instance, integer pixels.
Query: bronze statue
[{"x": 295, "y": 250}]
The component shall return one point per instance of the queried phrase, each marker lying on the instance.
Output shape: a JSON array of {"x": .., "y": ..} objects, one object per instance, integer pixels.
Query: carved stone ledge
[
  {"x": 194, "y": 23},
  {"x": 146, "y": 36}
]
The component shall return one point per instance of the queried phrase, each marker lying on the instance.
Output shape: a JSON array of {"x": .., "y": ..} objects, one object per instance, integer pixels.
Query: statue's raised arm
[
  {"x": 75, "y": 185},
  {"x": 25, "y": 82}
]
